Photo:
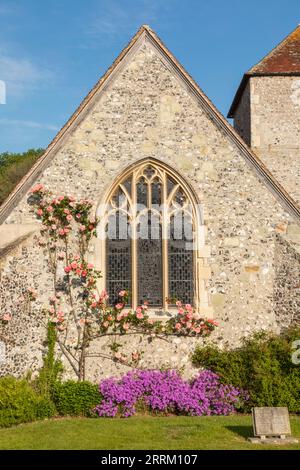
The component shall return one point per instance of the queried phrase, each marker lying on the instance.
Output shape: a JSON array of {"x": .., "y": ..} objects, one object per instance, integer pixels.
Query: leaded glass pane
[
  {"x": 118, "y": 257},
  {"x": 149, "y": 268},
  {"x": 180, "y": 260},
  {"x": 180, "y": 197},
  {"x": 156, "y": 192},
  {"x": 170, "y": 184},
  {"x": 127, "y": 184},
  {"x": 118, "y": 198},
  {"x": 149, "y": 171},
  {"x": 141, "y": 192}
]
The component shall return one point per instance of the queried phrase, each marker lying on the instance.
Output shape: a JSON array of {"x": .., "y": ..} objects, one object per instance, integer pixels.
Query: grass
[{"x": 140, "y": 432}]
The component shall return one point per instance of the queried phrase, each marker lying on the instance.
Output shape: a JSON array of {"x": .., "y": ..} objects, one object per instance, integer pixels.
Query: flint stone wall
[{"x": 147, "y": 112}]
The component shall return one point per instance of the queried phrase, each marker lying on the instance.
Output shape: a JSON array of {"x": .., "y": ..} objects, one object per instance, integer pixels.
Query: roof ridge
[{"x": 255, "y": 161}]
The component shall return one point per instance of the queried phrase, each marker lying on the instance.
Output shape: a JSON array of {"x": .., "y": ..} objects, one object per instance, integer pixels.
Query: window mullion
[
  {"x": 134, "y": 283},
  {"x": 164, "y": 222}
]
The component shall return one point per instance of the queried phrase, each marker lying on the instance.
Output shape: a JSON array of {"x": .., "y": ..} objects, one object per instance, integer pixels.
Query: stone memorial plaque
[{"x": 269, "y": 421}]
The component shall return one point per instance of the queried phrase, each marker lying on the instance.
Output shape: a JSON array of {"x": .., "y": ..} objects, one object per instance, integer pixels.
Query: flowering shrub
[
  {"x": 167, "y": 392},
  {"x": 77, "y": 310}
]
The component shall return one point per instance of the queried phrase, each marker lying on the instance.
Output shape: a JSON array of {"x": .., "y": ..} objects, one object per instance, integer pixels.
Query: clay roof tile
[{"x": 284, "y": 59}]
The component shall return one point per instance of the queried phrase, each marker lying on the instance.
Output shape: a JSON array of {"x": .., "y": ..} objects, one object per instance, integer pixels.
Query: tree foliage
[{"x": 13, "y": 166}]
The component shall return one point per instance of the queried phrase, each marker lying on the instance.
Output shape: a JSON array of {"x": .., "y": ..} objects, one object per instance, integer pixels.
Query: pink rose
[
  {"x": 126, "y": 326},
  {"x": 138, "y": 310},
  {"x": 39, "y": 212},
  {"x": 177, "y": 326},
  {"x": 69, "y": 217},
  {"x": 37, "y": 188},
  {"x": 61, "y": 198},
  {"x": 197, "y": 330},
  {"x": 90, "y": 266},
  {"x": 78, "y": 216},
  {"x": 67, "y": 211},
  {"x": 61, "y": 232},
  {"x": 104, "y": 295},
  {"x": 74, "y": 265},
  {"x": 67, "y": 269},
  {"x": 180, "y": 311},
  {"x": 82, "y": 228},
  {"x": 119, "y": 306},
  {"x": 49, "y": 209},
  {"x": 178, "y": 303},
  {"x": 139, "y": 316},
  {"x": 188, "y": 307}
]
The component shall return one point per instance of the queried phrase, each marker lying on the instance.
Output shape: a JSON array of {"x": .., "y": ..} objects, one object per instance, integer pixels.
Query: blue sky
[{"x": 52, "y": 52}]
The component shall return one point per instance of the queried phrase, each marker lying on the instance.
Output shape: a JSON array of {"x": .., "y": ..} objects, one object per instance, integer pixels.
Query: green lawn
[{"x": 215, "y": 432}]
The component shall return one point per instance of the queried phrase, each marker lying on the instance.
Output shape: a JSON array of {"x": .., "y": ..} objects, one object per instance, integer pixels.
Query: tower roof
[{"x": 284, "y": 59}]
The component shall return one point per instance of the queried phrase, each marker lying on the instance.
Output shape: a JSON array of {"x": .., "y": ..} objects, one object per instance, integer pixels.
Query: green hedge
[
  {"x": 19, "y": 403},
  {"x": 76, "y": 398},
  {"x": 262, "y": 366}
]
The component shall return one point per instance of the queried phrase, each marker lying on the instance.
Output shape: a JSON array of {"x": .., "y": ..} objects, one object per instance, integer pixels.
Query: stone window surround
[{"x": 202, "y": 271}]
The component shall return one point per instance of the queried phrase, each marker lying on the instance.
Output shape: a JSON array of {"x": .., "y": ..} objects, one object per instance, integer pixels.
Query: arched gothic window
[{"x": 151, "y": 224}]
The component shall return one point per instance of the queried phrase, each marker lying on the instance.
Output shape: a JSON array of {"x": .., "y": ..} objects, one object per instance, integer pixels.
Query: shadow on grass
[{"x": 242, "y": 431}]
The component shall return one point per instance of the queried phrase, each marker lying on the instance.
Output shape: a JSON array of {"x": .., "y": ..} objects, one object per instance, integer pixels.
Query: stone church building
[{"x": 148, "y": 131}]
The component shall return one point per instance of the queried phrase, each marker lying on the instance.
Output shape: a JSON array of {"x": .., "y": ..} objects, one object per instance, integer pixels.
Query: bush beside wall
[
  {"x": 76, "y": 398},
  {"x": 262, "y": 365},
  {"x": 19, "y": 403}
]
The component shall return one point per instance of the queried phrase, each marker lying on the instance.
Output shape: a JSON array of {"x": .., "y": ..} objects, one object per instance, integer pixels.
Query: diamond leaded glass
[
  {"x": 118, "y": 257},
  {"x": 180, "y": 261},
  {"x": 149, "y": 269}
]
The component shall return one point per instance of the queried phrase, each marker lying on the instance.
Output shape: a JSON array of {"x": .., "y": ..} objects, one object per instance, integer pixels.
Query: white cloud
[
  {"x": 114, "y": 19},
  {"x": 25, "y": 123},
  {"x": 21, "y": 75}
]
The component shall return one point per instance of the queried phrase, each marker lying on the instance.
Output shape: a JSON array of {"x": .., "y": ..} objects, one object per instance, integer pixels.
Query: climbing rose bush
[
  {"x": 167, "y": 392},
  {"x": 77, "y": 310}
]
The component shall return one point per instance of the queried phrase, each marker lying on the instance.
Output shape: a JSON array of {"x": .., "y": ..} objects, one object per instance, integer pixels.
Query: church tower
[{"x": 266, "y": 111}]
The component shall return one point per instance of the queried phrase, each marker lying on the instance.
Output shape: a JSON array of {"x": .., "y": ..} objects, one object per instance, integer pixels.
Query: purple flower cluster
[{"x": 167, "y": 392}]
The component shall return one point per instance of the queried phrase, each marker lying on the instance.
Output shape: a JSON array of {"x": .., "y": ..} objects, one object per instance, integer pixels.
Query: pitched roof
[
  {"x": 143, "y": 34},
  {"x": 284, "y": 59}
]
